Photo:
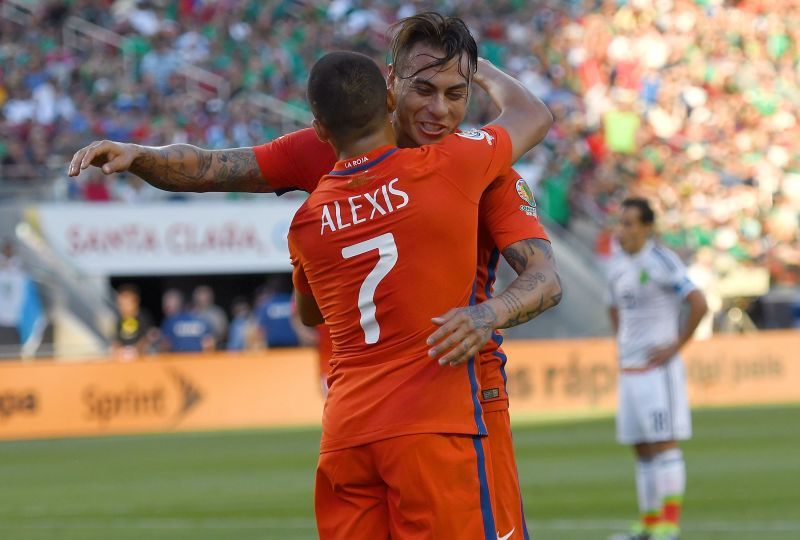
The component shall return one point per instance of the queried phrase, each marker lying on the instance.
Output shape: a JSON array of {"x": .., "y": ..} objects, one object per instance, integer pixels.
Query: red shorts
[
  {"x": 509, "y": 515},
  {"x": 414, "y": 487}
]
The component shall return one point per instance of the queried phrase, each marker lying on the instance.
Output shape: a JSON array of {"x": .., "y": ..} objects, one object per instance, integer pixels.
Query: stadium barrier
[
  {"x": 546, "y": 377},
  {"x": 281, "y": 387}
]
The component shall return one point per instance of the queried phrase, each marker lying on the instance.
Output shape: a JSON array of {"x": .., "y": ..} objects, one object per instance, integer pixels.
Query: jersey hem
[{"x": 375, "y": 436}]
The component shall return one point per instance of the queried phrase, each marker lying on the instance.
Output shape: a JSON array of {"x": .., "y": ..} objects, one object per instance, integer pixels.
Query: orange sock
[
  {"x": 671, "y": 511},
  {"x": 650, "y": 520}
]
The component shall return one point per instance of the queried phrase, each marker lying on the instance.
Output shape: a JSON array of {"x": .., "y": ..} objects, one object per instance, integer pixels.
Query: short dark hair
[
  {"x": 347, "y": 94},
  {"x": 450, "y": 34},
  {"x": 646, "y": 214}
]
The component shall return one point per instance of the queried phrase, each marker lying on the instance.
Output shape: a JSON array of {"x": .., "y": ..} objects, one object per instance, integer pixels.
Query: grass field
[{"x": 743, "y": 469}]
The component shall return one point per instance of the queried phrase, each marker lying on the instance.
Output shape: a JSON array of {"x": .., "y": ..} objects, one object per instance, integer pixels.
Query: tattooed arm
[
  {"x": 177, "y": 167},
  {"x": 464, "y": 331},
  {"x": 537, "y": 287}
]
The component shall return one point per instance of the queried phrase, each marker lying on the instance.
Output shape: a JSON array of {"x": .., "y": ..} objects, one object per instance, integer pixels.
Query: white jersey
[{"x": 647, "y": 289}]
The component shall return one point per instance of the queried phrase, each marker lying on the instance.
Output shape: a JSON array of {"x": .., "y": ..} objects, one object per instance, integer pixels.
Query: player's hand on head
[
  {"x": 461, "y": 334},
  {"x": 109, "y": 156}
]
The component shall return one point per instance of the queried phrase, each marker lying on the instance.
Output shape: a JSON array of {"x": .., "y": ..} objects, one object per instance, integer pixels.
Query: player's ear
[{"x": 321, "y": 131}]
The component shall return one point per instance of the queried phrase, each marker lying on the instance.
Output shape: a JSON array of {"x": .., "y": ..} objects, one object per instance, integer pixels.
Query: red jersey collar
[{"x": 364, "y": 161}]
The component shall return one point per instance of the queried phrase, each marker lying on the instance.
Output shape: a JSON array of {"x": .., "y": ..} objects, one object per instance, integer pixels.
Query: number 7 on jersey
[{"x": 387, "y": 257}]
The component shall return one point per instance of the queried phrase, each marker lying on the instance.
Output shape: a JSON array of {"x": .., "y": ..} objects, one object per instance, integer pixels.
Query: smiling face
[{"x": 432, "y": 101}]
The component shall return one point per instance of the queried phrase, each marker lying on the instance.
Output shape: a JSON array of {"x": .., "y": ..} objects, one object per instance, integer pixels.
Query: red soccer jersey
[
  {"x": 385, "y": 243},
  {"x": 507, "y": 214},
  {"x": 296, "y": 161}
]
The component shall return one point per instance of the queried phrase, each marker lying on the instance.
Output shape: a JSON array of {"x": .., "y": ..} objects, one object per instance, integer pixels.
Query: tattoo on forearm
[
  {"x": 523, "y": 316},
  {"x": 511, "y": 302},
  {"x": 519, "y": 253},
  {"x": 545, "y": 247},
  {"x": 183, "y": 167},
  {"x": 521, "y": 300}
]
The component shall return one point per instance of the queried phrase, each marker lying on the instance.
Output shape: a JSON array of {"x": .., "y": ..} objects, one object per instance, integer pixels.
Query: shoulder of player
[
  {"x": 465, "y": 138},
  {"x": 664, "y": 258},
  {"x": 506, "y": 180},
  {"x": 296, "y": 140},
  {"x": 303, "y": 214}
]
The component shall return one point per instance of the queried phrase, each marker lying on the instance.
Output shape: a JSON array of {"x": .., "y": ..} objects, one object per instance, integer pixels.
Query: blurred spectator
[
  {"x": 183, "y": 331},
  {"x": 273, "y": 311},
  {"x": 203, "y": 306},
  {"x": 22, "y": 317},
  {"x": 159, "y": 64},
  {"x": 139, "y": 14},
  {"x": 243, "y": 333},
  {"x": 135, "y": 333},
  {"x": 132, "y": 189},
  {"x": 17, "y": 163},
  {"x": 95, "y": 188},
  {"x": 10, "y": 298}
]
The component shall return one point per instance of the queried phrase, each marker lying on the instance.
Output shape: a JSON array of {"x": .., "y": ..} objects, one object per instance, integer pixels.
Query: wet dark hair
[
  {"x": 646, "y": 214},
  {"x": 450, "y": 34},
  {"x": 347, "y": 94}
]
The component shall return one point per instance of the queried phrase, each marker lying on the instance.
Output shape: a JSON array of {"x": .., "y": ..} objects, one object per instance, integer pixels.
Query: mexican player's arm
[
  {"x": 698, "y": 307},
  {"x": 610, "y": 300},
  {"x": 294, "y": 161},
  {"x": 679, "y": 283},
  {"x": 613, "y": 315}
]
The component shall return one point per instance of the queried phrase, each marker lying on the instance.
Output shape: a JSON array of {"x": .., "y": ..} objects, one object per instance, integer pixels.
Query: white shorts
[{"x": 653, "y": 405}]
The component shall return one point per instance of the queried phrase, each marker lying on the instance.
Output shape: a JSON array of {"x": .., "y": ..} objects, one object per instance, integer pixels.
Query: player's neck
[
  {"x": 381, "y": 137},
  {"x": 639, "y": 248}
]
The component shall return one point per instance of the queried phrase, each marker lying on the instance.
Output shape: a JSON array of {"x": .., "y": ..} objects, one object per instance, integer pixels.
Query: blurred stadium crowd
[
  {"x": 692, "y": 103},
  {"x": 198, "y": 324}
]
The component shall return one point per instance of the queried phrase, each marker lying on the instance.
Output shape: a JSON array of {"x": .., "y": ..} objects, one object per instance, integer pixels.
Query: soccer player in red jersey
[
  {"x": 431, "y": 103},
  {"x": 401, "y": 454}
]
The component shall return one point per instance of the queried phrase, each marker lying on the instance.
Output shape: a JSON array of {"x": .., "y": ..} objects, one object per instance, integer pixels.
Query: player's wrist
[
  {"x": 500, "y": 315},
  {"x": 136, "y": 151}
]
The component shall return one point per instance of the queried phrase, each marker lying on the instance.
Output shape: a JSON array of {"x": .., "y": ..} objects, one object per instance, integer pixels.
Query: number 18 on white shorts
[{"x": 653, "y": 405}]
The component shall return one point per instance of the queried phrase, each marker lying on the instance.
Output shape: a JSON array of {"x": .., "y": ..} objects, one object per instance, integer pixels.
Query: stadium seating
[{"x": 689, "y": 103}]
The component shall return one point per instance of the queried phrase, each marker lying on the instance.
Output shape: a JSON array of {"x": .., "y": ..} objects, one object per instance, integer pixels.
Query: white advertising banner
[{"x": 171, "y": 238}]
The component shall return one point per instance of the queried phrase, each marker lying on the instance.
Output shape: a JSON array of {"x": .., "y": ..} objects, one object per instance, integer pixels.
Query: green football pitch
[{"x": 743, "y": 475}]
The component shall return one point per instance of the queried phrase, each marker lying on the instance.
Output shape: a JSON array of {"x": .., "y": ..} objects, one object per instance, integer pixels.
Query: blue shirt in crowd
[{"x": 185, "y": 332}]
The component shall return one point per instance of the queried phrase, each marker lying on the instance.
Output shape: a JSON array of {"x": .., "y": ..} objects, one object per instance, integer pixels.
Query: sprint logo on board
[{"x": 169, "y": 402}]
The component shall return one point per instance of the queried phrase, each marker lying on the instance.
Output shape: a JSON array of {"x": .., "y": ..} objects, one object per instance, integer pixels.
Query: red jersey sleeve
[
  {"x": 295, "y": 161},
  {"x": 486, "y": 151},
  {"x": 508, "y": 211}
]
